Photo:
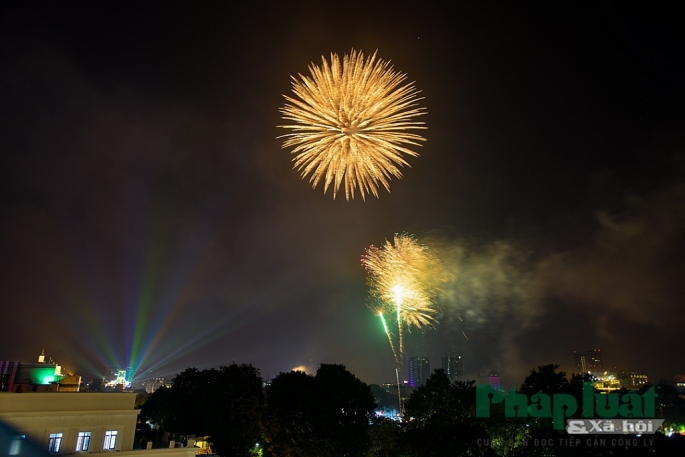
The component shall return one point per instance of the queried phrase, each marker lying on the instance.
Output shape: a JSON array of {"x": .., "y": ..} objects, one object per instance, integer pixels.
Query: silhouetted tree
[
  {"x": 235, "y": 401},
  {"x": 668, "y": 405},
  {"x": 385, "y": 435},
  {"x": 545, "y": 379},
  {"x": 141, "y": 398},
  {"x": 440, "y": 420},
  {"x": 325, "y": 415},
  {"x": 158, "y": 407},
  {"x": 224, "y": 404},
  {"x": 289, "y": 415},
  {"x": 383, "y": 399},
  {"x": 175, "y": 409}
]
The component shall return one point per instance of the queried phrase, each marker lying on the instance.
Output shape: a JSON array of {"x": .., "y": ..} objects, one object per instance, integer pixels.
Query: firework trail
[
  {"x": 387, "y": 332},
  {"x": 350, "y": 123}
]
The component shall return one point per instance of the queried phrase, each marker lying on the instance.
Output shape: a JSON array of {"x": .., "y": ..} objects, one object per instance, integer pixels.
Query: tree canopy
[
  {"x": 331, "y": 414},
  {"x": 441, "y": 419},
  {"x": 224, "y": 404},
  {"x": 323, "y": 415}
]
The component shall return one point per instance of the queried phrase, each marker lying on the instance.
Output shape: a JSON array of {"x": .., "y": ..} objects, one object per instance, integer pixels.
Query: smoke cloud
[{"x": 620, "y": 281}]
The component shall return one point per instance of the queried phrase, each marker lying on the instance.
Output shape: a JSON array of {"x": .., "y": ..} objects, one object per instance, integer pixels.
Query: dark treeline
[{"x": 331, "y": 414}]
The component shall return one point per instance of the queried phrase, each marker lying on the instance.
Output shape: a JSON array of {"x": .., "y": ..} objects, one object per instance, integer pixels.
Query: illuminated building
[
  {"x": 487, "y": 377},
  {"x": 419, "y": 371},
  {"x": 151, "y": 385},
  {"x": 36, "y": 377},
  {"x": 391, "y": 388},
  {"x": 632, "y": 380},
  {"x": 605, "y": 381},
  {"x": 388, "y": 386},
  {"x": 452, "y": 365},
  {"x": 494, "y": 382},
  {"x": 588, "y": 361},
  {"x": 78, "y": 423},
  {"x": 121, "y": 381}
]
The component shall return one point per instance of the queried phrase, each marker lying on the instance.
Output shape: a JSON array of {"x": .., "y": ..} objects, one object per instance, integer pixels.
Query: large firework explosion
[
  {"x": 405, "y": 279},
  {"x": 350, "y": 123}
]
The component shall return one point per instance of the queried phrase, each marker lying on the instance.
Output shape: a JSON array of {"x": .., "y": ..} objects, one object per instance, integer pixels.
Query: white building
[
  {"x": 68, "y": 423},
  {"x": 152, "y": 384}
]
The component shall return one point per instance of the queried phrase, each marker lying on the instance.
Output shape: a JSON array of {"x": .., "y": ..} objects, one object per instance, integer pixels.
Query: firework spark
[
  {"x": 350, "y": 123},
  {"x": 387, "y": 332},
  {"x": 404, "y": 279}
]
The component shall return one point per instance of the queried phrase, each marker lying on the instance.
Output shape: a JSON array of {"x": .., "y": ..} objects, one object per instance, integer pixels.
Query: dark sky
[{"x": 150, "y": 217}]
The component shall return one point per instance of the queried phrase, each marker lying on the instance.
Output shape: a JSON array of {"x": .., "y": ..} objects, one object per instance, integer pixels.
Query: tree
[
  {"x": 141, "y": 398},
  {"x": 323, "y": 415},
  {"x": 158, "y": 408},
  {"x": 545, "y": 379},
  {"x": 440, "y": 419},
  {"x": 234, "y": 408},
  {"x": 175, "y": 409},
  {"x": 385, "y": 435},
  {"x": 224, "y": 404},
  {"x": 346, "y": 410},
  {"x": 383, "y": 399},
  {"x": 429, "y": 398},
  {"x": 668, "y": 405}
]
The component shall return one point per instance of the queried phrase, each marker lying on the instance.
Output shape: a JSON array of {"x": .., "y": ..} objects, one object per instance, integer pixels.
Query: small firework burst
[{"x": 405, "y": 279}]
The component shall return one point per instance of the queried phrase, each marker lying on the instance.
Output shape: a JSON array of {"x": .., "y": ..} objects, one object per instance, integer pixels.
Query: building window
[
  {"x": 110, "y": 440},
  {"x": 55, "y": 442},
  {"x": 82, "y": 441},
  {"x": 15, "y": 445}
]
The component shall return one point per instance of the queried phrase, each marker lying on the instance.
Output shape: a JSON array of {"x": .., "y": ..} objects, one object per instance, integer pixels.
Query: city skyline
[{"x": 152, "y": 220}]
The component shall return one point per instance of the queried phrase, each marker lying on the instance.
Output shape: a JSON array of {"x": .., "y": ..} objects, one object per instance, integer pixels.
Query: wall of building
[
  {"x": 42, "y": 413},
  {"x": 33, "y": 377},
  {"x": 37, "y": 373}
]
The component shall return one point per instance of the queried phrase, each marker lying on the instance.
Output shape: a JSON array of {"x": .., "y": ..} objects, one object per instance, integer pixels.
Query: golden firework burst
[
  {"x": 351, "y": 121},
  {"x": 405, "y": 277}
]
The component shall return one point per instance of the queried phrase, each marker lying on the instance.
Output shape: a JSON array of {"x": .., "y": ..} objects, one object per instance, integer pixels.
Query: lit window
[
  {"x": 82, "y": 441},
  {"x": 110, "y": 440},
  {"x": 55, "y": 442},
  {"x": 15, "y": 445}
]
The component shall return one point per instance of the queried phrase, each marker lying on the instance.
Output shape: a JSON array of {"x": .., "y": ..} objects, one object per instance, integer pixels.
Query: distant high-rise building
[
  {"x": 680, "y": 383},
  {"x": 588, "y": 361},
  {"x": 452, "y": 364},
  {"x": 419, "y": 371},
  {"x": 391, "y": 389},
  {"x": 632, "y": 379},
  {"x": 494, "y": 381},
  {"x": 151, "y": 385},
  {"x": 605, "y": 381}
]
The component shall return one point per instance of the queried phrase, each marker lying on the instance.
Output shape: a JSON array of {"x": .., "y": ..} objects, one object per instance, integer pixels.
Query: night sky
[{"x": 150, "y": 217}]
